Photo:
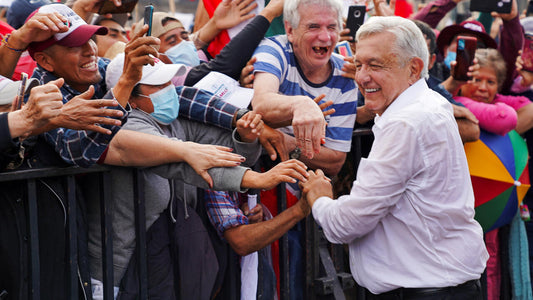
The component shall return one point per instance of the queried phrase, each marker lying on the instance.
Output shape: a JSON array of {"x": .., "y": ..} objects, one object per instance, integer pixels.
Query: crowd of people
[{"x": 103, "y": 91}]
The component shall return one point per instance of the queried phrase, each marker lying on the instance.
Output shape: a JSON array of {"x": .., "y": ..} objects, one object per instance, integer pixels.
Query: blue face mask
[
  {"x": 166, "y": 104},
  {"x": 183, "y": 53},
  {"x": 451, "y": 56}
]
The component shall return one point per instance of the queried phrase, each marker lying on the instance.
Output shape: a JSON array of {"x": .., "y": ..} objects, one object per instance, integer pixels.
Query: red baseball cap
[
  {"x": 79, "y": 31},
  {"x": 472, "y": 27}
]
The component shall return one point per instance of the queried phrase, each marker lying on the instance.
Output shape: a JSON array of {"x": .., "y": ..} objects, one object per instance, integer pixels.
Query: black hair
[{"x": 428, "y": 34}]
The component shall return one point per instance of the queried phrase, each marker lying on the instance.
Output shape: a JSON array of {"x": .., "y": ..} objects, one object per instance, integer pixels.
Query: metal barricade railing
[
  {"x": 30, "y": 178},
  {"x": 326, "y": 275}
]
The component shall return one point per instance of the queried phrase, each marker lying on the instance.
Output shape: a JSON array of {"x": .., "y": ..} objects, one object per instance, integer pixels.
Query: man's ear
[
  {"x": 416, "y": 65},
  {"x": 44, "y": 60},
  {"x": 288, "y": 30}
]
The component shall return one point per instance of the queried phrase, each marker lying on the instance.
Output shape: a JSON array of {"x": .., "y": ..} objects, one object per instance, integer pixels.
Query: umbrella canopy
[{"x": 500, "y": 177}]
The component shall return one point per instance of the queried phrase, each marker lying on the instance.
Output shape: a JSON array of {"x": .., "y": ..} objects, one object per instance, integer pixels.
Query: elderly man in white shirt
[{"x": 409, "y": 219}]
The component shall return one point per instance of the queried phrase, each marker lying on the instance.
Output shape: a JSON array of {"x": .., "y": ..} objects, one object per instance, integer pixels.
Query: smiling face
[
  {"x": 484, "y": 86},
  {"x": 77, "y": 65},
  {"x": 314, "y": 39},
  {"x": 379, "y": 75}
]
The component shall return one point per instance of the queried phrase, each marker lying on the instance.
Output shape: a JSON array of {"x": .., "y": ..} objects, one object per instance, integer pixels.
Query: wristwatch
[{"x": 296, "y": 153}]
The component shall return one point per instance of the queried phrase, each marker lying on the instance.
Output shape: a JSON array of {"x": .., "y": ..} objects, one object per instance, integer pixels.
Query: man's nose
[
  {"x": 323, "y": 35},
  {"x": 362, "y": 75}
]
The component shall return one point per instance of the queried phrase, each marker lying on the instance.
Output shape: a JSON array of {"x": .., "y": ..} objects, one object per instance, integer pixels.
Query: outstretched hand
[
  {"x": 309, "y": 126},
  {"x": 287, "y": 171},
  {"x": 273, "y": 141},
  {"x": 230, "y": 13},
  {"x": 84, "y": 113},
  {"x": 250, "y": 127},
  {"x": 204, "y": 157},
  {"x": 316, "y": 186}
]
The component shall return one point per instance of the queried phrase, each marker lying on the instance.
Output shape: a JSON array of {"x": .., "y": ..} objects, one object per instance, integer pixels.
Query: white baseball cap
[
  {"x": 10, "y": 88},
  {"x": 157, "y": 74}
]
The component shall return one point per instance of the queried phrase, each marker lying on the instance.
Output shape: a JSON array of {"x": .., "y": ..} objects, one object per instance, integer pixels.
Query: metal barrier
[
  {"x": 327, "y": 276},
  {"x": 68, "y": 174}
]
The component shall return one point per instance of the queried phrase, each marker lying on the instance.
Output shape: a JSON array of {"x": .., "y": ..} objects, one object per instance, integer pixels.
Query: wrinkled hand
[
  {"x": 204, "y": 157},
  {"x": 383, "y": 9},
  {"x": 287, "y": 171},
  {"x": 255, "y": 215},
  {"x": 247, "y": 76},
  {"x": 460, "y": 112},
  {"x": 348, "y": 69},
  {"x": 316, "y": 186},
  {"x": 309, "y": 126},
  {"x": 44, "y": 104},
  {"x": 84, "y": 113},
  {"x": 230, "y": 13},
  {"x": 38, "y": 28},
  {"x": 473, "y": 71},
  {"x": 250, "y": 127},
  {"x": 273, "y": 141}
]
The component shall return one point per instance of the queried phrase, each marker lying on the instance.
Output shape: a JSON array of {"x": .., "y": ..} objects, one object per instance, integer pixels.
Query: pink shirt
[{"x": 498, "y": 117}]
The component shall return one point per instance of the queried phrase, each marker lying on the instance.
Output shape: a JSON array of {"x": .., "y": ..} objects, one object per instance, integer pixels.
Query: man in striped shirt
[{"x": 293, "y": 69}]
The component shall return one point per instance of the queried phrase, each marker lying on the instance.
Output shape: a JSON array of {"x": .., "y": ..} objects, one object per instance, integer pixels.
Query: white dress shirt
[{"x": 409, "y": 218}]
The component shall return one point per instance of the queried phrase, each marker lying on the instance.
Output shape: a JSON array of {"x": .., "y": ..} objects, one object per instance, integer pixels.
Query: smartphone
[
  {"x": 148, "y": 13},
  {"x": 527, "y": 52},
  {"x": 356, "y": 18},
  {"x": 500, "y": 6},
  {"x": 466, "y": 50},
  {"x": 108, "y": 7},
  {"x": 21, "y": 91}
]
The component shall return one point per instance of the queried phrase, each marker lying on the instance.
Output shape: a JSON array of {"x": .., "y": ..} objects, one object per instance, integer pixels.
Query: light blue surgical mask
[
  {"x": 451, "y": 56},
  {"x": 166, "y": 104},
  {"x": 183, "y": 53}
]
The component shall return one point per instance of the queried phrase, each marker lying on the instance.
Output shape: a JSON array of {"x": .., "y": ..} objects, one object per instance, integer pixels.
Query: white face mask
[{"x": 183, "y": 53}]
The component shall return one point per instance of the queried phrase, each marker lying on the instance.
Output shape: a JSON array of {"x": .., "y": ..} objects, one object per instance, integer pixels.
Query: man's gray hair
[
  {"x": 409, "y": 43},
  {"x": 292, "y": 15}
]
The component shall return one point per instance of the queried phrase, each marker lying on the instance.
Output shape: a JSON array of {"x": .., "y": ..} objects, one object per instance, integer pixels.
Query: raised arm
[
  {"x": 38, "y": 28},
  {"x": 433, "y": 12},
  {"x": 307, "y": 118}
]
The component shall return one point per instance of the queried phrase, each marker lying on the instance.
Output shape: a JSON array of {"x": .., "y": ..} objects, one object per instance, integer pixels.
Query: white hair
[
  {"x": 409, "y": 42},
  {"x": 292, "y": 15}
]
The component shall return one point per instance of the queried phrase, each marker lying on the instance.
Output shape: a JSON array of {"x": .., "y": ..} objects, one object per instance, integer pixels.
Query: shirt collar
[{"x": 406, "y": 97}]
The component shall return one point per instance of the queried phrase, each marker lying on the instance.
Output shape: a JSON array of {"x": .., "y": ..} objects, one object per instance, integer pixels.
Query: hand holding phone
[
  {"x": 499, "y": 6},
  {"x": 148, "y": 13},
  {"x": 527, "y": 53},
  {"x": 356, "y": 18},
  {"x": 466, "y": 51}
]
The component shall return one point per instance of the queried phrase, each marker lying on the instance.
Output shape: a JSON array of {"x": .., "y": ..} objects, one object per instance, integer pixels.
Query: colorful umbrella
[{"x": 500, "y": 177}]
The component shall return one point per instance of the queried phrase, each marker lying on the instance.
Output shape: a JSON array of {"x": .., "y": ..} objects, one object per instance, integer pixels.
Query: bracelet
[{"x": 5, "y": 41}]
